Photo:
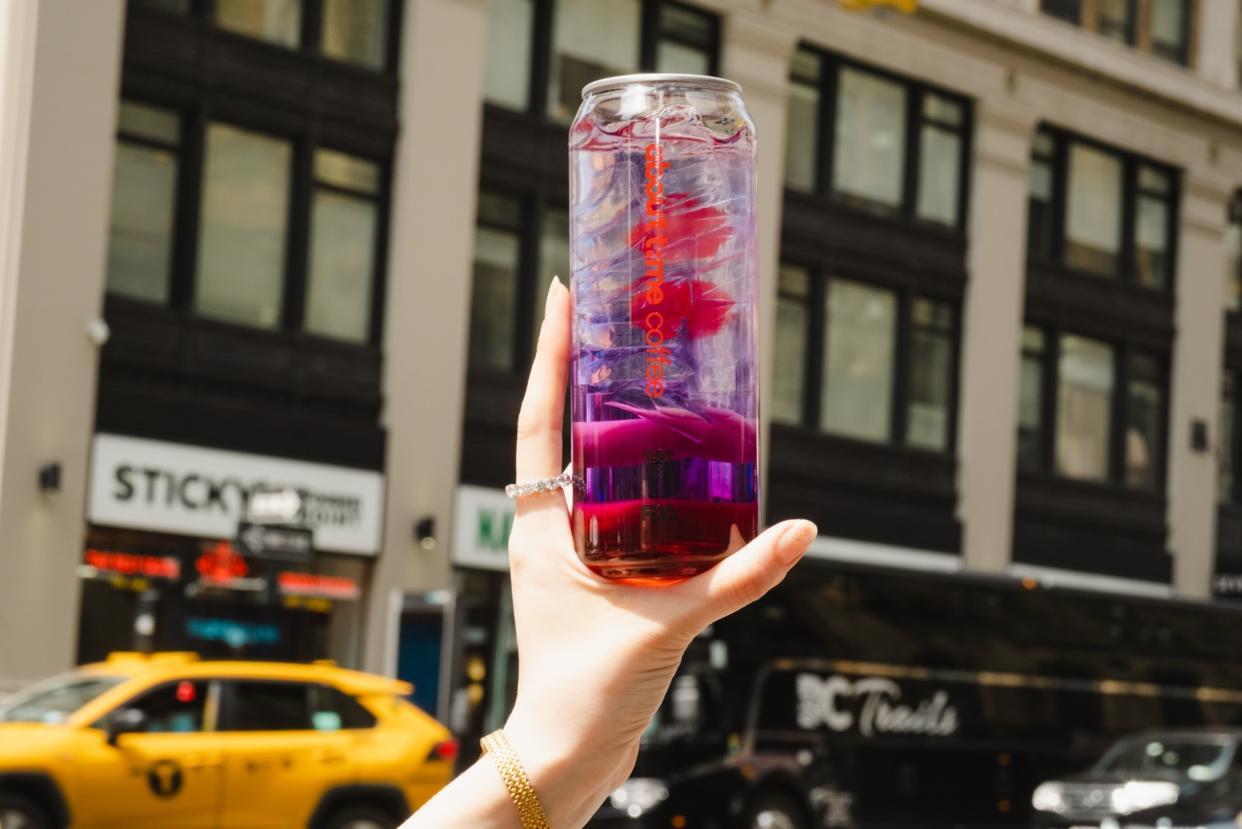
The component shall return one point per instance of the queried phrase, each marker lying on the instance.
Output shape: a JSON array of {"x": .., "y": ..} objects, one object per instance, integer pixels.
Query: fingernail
[
  {"x": 556, "y": 280},
  {"x": 795, "y": 541}
]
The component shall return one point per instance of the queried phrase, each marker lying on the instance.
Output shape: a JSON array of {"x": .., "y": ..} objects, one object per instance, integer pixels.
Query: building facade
[{"x": 300, "y": 244}]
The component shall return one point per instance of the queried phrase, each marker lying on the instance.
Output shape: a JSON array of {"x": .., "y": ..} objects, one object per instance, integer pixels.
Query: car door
[
  {"x": 282, "y": 757},
  {"x": 167, "y": 773}
]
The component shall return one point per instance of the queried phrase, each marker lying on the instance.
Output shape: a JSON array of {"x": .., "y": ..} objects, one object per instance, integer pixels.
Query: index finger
[{"x": 543, "y": 407}]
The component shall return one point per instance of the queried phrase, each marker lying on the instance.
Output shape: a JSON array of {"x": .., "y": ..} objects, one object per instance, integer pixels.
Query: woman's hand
[{"x": 596, "y": 657}]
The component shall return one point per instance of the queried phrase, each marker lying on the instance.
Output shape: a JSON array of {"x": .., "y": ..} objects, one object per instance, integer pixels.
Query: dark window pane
[
  {"x": 1224, "y": 443},
  {"x": 171, "y": 6},
  {"x": 553, "y": 260},
  {"x": 1039, "y": 217},
  {"x": 931, "y": 367},
  {"x": 268, "y": 706},
  {"x": 942, "y": 110},
  {"x": 686, "y": 41},
  {"x": 940, "y": 175},
  {"x": 1084, "y": 399},
  {"x": 789, "y": 358},
  {"x": 142, "y": 121},
  {"x": 1031, "y": 399},
  {"x": 342, "y": 262},
  {"x": 1068, "y": 10},
  {"x": 510, "y": 27},
  {"x": 1113, "y": 19},
  {"x": 1151, "y": 241},
  {"x": 356, "y": 31},
  {"x": 144, "y": 185},
  {"x": 672, "y": 56},
  {"x": 1233, "y": 256},
  {"x": 277, "y": 21},
  {"x": 858, "y": 366},
  {"x": 350, "y": 172},
  {"x": 590, "y": 40},
  {"x": 241, "y": 255},
  {"x": 173, "y": 708},
  {"x": 869, "y": 155},
  {"x": 1093, "y": 210},
  {"x": 1144, "y": 420},
  {"x": 333, "y": 710},
  {"x": 1168, "y": 29},
  {"x": 495, "y": 284},
  {"x": 802, "y": 136}
]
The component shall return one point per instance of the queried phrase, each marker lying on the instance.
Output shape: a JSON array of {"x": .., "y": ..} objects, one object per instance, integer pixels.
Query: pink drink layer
[{"x": 664, "y": 382}]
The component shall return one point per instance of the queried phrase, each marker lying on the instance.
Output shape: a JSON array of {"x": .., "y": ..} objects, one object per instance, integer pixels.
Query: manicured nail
[
  {"x": 796, "y": 540},
  {"x": 556, "y": 280}
]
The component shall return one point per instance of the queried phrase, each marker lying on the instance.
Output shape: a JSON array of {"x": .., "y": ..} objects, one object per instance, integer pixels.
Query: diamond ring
[{"x": 543, "y": 485}]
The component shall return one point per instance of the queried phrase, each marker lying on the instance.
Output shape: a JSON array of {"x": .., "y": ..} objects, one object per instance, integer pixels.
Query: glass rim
[{"x": 664, "y": 78}]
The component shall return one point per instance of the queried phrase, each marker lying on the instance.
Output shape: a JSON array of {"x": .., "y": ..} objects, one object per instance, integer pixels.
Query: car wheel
[
  {"x": 774, "y": 810},
  {"x": 17, "y": 812},
  {"x": 352, "y": 817}
]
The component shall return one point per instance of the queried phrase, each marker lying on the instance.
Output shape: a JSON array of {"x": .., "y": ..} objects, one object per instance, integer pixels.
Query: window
[
  {"x": 356, "y": 31},
  {"x": 332, "y": 710},
  {"x": 1079, "y": 216},
  {"x": 1227, "y": 444},
  {"x": 1233, "y": 254},
  {"x": 344, "y": 229},
  {"x": 245, "y": 211},
  {"x": 144, "y": 189},
  {"x": 793, "y": 322},
  {"x": 565, "y": 44},
  {"x": 1107, "y": 414},
  {"x": 170, "y": 6},
  {"x": 266, "y": 706},
  {"x": 878, "y": 365},
  {"x": 895, "y": 147},
  {"x": 177, "y": 707},
  {"x": 1160, "y": 27},
  {"x": 276, "y": 21},
  {"x": 497, "y": 264}
]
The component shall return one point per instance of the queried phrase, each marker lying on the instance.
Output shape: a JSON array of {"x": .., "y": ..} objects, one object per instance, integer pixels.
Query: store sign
[
  {"x": 482, "y": 520},
  {"x": 106, "y": 562},
  {"x": 189, "y": 490},
  {"x": 871, "y": 706},
  {"x": 271, "y": 541},
  {"x": 313, "y": 585}
]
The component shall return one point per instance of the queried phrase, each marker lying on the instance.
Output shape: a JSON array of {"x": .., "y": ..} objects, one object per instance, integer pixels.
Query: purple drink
[{"x": 664, "y": 377}]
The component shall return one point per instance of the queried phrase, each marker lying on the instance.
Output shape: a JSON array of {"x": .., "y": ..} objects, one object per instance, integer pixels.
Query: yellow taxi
[{"x": 166, "y": 741}]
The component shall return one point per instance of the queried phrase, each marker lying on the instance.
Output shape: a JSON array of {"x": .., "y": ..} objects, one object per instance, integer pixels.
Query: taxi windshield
[
  {"x": 52, "y": 702},
  {"x": 1197, "y": 758}
]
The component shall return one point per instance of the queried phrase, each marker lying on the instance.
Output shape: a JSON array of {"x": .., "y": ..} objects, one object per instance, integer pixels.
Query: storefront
[{"x": 164, "y": 567}]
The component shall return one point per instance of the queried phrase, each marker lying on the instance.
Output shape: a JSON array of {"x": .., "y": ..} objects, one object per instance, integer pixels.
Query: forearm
[{"x": 476, "y": 798}]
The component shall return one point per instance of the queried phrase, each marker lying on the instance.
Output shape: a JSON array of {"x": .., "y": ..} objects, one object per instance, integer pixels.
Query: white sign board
[
  {"x": 189, "y": 490},
  {"x": 482, "y": 519}
]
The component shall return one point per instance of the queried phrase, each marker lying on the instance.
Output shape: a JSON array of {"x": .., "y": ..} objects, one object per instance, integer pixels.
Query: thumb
[{"x": 750, "y": 572}]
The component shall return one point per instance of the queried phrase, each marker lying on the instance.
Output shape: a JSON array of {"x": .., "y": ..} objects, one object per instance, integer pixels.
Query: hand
[{"x": 596, "y": 657}]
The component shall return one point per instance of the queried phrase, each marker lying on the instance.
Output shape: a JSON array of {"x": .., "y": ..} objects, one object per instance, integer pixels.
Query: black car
[{"x": 1189, "y": 777}]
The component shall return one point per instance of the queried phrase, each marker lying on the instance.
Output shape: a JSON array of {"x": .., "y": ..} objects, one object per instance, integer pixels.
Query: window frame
[
  {"x": 1125, "y": 275},
  {"x": 195, "y": 115},
  {"x": 813, "y": 380},
  {"x": 1233, "y": 498},
  {"x": 1138, "y": 34},
  {"x": 916, "y": 91},
  {"x": 1122, "y": 354}
]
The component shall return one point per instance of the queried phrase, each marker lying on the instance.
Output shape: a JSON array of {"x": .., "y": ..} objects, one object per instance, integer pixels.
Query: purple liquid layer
[{"x": 669, "y": 469}]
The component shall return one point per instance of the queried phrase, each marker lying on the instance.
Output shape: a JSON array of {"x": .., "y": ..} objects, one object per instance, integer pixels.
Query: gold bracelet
[{"x": 530, "y": 811}]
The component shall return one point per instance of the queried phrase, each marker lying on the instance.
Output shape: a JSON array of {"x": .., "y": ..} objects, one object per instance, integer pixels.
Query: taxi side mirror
[{"x": 125, "y": 721}]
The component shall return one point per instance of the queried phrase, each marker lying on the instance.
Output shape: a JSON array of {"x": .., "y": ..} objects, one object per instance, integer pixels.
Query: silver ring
[{"x": 543, "y": 485}]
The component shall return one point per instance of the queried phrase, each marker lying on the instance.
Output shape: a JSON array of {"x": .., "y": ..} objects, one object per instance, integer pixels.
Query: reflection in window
[
  {"x": 940, "y": 163},
  {"x": 1093, "y": 210},
  {"x": 869, "y": 156},
  {"x": 356, "y": 31},
  {"x": 1168, "y": 29},
  {"x": 793, "y": 321},
  {"x": 1040, "y": 208},
  {"x": 1144, "y": 423},
  {"x": 344, "y": 223},
  {"x": 802, "y": 122},
  {"x": 506, "y": 72},
  {"x": 1084, "y": 395},
  {"x": 245, "y": 206},
  {"x": 1031, "y": 399},
  {"x": 1151, "y": 233},
  {"x": 590, "y": 40},
  {"x": 497, "y": 261},
  {"x": 276, "y": 21},
  {"x": 1113, "y": 19},
  {"x": 856, "y": 398},
  {"x": 931, "y": 374},
  {"x": 1225, "y": 447},
  {"x": 687, "y": 41},
  {"x": 1233, "y": 254},
  {"x": 144, "y": 183}
]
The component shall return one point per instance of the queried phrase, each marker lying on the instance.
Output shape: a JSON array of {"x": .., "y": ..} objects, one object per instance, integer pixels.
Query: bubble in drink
[{"x": 664, "y": 380}]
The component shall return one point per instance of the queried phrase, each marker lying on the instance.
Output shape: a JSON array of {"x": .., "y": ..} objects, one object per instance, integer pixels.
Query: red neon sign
[
  {"x": 130, "y": 564},
  {"x": 311, "y": 584},
  {"x": 220, "y": 564}
]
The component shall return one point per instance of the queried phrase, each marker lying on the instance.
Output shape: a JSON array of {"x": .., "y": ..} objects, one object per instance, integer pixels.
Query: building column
[
  {"x": 435, "y": 182},
  {"x": 991, "y": 332},
  {"x": 756, "y": 52},
  {"x": 58, "y": 90},
  {"x": 1213, "y": 38},
  {"x": 1195, "y": 380}
]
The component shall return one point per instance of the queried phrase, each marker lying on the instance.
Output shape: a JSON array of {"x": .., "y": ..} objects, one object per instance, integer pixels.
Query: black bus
[{"x": 884, "y": 700}]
